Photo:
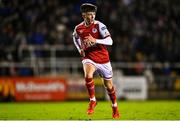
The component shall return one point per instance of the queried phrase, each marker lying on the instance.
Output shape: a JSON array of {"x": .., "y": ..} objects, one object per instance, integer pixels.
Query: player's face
[{"x": 88, "y": 17}]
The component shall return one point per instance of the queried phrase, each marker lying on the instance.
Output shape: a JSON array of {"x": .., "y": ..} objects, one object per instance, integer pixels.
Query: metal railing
[{"x": 58, "y": 65}]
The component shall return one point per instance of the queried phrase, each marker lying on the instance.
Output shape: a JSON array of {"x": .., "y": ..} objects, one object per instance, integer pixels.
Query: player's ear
[
  {"x": 94, "y": 15},
  {"x": 83, "y": 15}
]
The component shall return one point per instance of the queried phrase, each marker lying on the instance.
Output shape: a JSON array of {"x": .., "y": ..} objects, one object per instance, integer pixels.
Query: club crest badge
[{"x": 94, "y": 30}]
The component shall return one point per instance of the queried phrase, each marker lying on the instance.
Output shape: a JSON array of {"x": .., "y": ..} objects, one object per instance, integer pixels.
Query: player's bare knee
[
  {"x": 88, "y": 75},
  {"x": 108, "y": 84}
]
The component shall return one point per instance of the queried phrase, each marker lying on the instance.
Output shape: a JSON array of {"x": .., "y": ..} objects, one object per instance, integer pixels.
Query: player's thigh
[
  {"x": 89, "y": 69},
  {"x": 105, "y": 70}
]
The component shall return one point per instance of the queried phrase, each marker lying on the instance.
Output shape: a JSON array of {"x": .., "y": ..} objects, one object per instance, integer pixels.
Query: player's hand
[
  {"x": 82, "y": 53},
  {"x": 90, "y": 41},
  {"x": 89, "y": 38}
]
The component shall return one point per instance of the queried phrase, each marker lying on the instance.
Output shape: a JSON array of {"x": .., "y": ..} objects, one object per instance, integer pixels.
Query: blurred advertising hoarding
[
  {"x": 131, "y": 87},
  {"x": 34, "y": 88},
  {"x": 47, "y": 89},
  {"x": 7, "y": 89},
  {"x": 77, "y": 89}
]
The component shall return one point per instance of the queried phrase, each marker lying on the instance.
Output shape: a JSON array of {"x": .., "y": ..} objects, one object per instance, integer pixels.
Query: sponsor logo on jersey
[
  {"x": 81, "y": 31},
  {"x": 94, "y": 30}
]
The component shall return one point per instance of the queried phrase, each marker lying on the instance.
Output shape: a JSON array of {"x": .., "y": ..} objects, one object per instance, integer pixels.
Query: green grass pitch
[{"x": 130, "y": 110}]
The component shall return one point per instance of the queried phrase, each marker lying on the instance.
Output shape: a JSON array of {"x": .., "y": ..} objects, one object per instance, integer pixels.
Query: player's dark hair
[{"x": 88, "y": 7}]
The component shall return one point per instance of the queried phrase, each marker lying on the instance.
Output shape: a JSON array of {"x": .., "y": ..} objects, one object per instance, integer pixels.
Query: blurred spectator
[{"x": 149, "y": 27}]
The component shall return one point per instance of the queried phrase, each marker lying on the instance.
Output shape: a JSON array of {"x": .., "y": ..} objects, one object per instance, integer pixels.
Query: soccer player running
[{"x": 90, "y": 38}]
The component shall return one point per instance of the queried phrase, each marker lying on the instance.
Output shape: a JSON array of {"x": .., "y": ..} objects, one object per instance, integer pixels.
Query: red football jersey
[{"x": 97, "y": 52}]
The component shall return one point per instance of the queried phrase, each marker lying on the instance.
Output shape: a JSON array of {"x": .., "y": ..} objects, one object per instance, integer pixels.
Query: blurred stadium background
[{"x": 39, "y": 62}]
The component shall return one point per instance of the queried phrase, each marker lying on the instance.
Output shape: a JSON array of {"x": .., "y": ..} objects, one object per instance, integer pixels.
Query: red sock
[
  {"x": 90, "y": 87},
  {"x": 112, "y": 95}
]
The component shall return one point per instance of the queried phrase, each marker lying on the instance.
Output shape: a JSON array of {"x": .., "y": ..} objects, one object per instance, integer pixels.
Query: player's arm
[
  {"x": 77, "y": 43},
  {"x": 107, "y": 40}
]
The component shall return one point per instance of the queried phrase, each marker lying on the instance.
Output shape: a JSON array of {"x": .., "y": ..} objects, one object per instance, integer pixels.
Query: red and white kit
[{"x": 95, "y": 53}]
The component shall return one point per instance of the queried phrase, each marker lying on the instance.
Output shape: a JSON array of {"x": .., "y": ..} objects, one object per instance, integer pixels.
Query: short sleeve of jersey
[{"x": 103, "y": 30}]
